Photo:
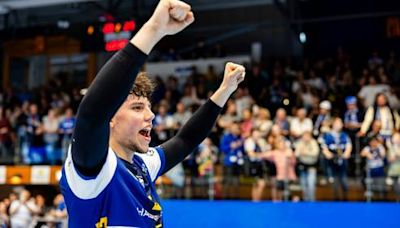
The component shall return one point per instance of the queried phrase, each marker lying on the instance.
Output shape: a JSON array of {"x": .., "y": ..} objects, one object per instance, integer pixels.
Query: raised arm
[
  {"x": 113, "y": 83},
  {"x": 200, "y": 124}
]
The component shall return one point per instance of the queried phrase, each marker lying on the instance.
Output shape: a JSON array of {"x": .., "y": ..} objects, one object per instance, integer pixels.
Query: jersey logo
[{"x": 102, "y": 223}]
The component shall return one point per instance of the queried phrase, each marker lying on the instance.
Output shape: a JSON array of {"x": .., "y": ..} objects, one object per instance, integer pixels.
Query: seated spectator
[
  {"x": 232, "y": 148},
  {"x": 300, "y": 124},
  {"x": 307, "y": 153},
  {"x": 337, "y": 148},
  {"x": 375, "y": 170}
]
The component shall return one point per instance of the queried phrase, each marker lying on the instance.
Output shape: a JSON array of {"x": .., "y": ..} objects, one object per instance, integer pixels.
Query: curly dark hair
[{"x": 143, "y": 86}]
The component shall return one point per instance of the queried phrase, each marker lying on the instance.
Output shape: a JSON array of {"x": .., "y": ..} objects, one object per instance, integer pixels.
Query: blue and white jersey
[{"x": 121, "y": 195}]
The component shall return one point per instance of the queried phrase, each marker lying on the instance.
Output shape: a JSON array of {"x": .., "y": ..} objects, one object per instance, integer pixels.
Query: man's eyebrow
[{"x": 137, "y": 103}]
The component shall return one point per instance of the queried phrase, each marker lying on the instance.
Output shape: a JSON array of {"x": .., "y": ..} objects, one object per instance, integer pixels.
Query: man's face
[
  {"x": 132, "y": 124},
  {"x": 351, "y": 106},
  {"x": 301, "y": 114}
]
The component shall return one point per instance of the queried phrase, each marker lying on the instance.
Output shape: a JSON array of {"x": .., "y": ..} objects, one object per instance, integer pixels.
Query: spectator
[
  {"x": 254, "y": 146},
  {"x": 394, "y": 161},
  {"x": 247, "y": 123},
  {"x": 232, "y": 148},
  {"x": 6, "y": 153},
  {"x": 22, "y": 210},
  {"x": 21, "y": 126},
  {"x": 382, "y": 112},
  {"x": 337, "y": 149},
  {"x": 189, "y": 97},
  {"x": 323, "y": 119},
  {"x": 35, "y": 136},
  {"x": 59, "y": 211},
  {"x": 352, "y": 117},
  {"x": 374, "y": 133},
  {"x": 66, "y": 129},
  {"x": 282, "y": 121},
  {"x": 284, "y": 160},
  {"x": 300, "y": 124},
  {"x": 263, "y": 121},
  {"x": 51, "y": 123},
  {"x": 315, "y": 82},
  {"x": 375, "y": 167},
  {"x": 180, "y": 116},
  {"x": 229, "y": 117},
  {"x": 307, "y": 153},
  {"x": 163, "y": 123},
  {"x": 369, "y": 92},
  {"x": 4, "y": 218},
  {"x": 205, "y": 159},
  {"x": 243, "y": 100}
]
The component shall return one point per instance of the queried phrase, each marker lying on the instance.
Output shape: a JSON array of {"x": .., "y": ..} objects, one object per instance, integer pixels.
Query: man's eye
[{"x": 137, "y": 108}]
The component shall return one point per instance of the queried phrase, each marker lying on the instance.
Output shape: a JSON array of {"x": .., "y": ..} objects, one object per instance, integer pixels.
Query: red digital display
[
  {"x": 116, "y": 35},
  {"x": 115, "y": 45},
  {"x": 129, "y": 26},
  {"x": 111, "y": 27},
  {"x": 108, "y": 28}
]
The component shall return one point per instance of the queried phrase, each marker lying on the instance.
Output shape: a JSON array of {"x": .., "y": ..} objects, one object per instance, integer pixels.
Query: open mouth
[{"x": 145, "y": 133}]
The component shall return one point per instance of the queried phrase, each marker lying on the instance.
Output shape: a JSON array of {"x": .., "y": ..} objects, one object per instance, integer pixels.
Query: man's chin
[{"x": 141, "y": 149}]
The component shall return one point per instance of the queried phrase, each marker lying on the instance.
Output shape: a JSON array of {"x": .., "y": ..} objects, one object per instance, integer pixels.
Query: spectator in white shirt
[
  {"x": 300, "y": 124},
  {"x": 22, "y": 210},
  {"x": 368, "y": 92}
]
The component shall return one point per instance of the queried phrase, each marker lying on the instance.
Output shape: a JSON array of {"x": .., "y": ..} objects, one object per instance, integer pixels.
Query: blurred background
[{"x": 316, "y": 119}]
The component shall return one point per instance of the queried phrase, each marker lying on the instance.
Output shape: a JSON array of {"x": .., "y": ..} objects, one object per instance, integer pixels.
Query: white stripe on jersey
[
  {"x": 90, "y": 188},
  {"x": 153, "y": 162}
]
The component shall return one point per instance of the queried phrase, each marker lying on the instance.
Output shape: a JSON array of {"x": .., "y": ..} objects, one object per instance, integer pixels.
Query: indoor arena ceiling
[{"x": 29, "y": 13}]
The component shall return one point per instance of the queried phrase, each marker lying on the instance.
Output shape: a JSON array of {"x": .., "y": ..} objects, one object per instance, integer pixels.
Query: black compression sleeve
[
  {"x": 102, "y": 100},
  {"x": 190, "y": 135}
]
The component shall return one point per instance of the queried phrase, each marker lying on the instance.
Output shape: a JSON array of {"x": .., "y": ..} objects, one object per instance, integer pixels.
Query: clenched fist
[
  {"x": 171, "y": 17},
  {"x": 234, "y": 74}
]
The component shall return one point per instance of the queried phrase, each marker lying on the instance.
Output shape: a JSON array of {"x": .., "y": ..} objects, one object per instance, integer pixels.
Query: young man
[{"x": 108, "y": 176}]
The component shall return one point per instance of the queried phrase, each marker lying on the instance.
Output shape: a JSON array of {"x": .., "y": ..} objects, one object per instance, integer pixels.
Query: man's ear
[{"x": 112, "y": 123}]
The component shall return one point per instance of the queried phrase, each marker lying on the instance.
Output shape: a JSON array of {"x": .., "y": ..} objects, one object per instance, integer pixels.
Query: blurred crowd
[
  {"x": 290, "y": 123},
  {"x": 22, "y": 210}
]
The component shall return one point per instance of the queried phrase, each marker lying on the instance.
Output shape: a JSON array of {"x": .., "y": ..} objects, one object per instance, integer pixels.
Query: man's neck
[{"x": 122, "y": 152}]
